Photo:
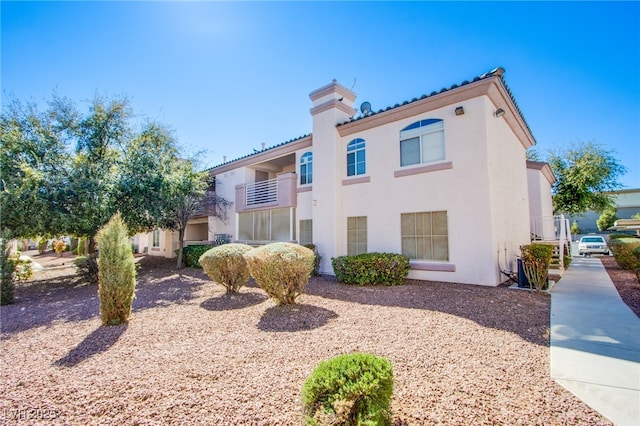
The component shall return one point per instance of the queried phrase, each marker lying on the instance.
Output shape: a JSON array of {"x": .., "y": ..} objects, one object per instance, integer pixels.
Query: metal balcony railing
[{"x": 262, "y": 192}]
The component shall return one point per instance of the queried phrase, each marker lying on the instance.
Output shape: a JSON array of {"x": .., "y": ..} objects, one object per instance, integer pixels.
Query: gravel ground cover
[
  {"x": 626, "y": 283},
  {"x": 462, "y": 355}
]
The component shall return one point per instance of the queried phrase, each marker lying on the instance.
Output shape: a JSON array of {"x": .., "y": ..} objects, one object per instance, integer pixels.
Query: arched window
[
  {"x": 356, "y": 160},
  {"x": 306, "y": 168},
  {"x": 422, "y": 142}
]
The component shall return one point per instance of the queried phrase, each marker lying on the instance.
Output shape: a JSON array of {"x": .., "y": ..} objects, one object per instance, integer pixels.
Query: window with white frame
[
  {"x": 356, "y": 159},
  {"x": 422, "y": 142},
  {"x": 156, "y": 238},
  {"x": 306, "y": 232},
  {"x": 306, "y": 168},
  {"x": 425, "y": 235},
  {"x": 267, "y": 225},
  {"x": 356, "y": 235}
]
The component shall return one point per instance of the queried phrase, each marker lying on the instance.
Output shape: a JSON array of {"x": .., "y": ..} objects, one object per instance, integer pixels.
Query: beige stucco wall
[
  {"x": 508, "y": 184},
  {"x": 464, "y": 191},
  {"x": 482, "y": 184}
]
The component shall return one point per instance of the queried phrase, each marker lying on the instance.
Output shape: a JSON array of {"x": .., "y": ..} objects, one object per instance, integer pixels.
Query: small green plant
[
  {"x": 316, "y": 259},
  {"x": 7, "y": 284},
  {"x": 87, "y": 268},
  {"x": 371, "y": 269},
  {"x": 59, "y": 247},
  {"x": 191, "y": 254},
  {"x": 281, "y": 269},
  {"x": 622, "y": 249},
  {"x": 23, "y": 269},
  {"x": 351, "y": 389},
  {"x": 117, "y": 272},
  {"x": 42, "y": 245},
  {"x": 575, "y": 228},
  {"x": 536, "y": 259},
  {"x": 226, "y": 265}
]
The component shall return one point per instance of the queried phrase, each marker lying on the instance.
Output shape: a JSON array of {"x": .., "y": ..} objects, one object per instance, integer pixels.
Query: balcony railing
[
  {"x": 261, "y": 192},
  {"x": 268, "y": 194}
]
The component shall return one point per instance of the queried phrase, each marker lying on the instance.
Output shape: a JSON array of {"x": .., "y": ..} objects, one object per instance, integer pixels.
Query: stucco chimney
[
  {"x": 331, "y": 105},
  {"x": 333, "y": 96}
]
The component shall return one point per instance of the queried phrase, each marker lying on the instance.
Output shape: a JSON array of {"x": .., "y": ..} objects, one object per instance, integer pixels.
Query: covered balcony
[{"x": 267, "y": 194}]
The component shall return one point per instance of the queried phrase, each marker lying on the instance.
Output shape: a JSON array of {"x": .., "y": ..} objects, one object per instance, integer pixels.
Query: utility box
[{"x": 523, "y": 282}]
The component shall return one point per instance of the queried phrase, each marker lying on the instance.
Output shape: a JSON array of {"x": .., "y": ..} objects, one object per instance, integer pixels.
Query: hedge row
[
  {"x": 626, "y": 251},
  {"x": 371, "y": 269}
]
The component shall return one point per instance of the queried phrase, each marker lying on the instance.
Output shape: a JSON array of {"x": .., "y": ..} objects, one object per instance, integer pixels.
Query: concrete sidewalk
[{"x": 595, "y": 342}]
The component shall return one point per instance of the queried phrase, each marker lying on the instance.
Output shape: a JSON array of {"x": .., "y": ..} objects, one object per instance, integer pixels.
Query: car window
[{"x": 593, "y": 240}]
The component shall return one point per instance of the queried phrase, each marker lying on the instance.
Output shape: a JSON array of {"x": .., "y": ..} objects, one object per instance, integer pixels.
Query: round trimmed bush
[
  {"x": 226, "y": 265},
  {"x": 350, "y": 389},
  {"x": 281, "y": 269}
]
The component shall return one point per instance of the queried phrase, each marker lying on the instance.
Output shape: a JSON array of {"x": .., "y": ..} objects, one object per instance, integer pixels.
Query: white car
[{"x": 592, "y": 245}]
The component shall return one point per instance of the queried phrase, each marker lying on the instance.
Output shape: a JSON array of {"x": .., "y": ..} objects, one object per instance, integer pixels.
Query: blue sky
[{"x": 229, "y": 76}]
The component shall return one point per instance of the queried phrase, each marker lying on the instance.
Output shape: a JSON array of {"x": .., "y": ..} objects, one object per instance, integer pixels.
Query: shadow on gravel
[
  {"x": 69, "y": 299},
  {"x": 100, "y": 340},
  {"x": 231, "y": 301},
  {"x": 517, "y": 311},
  {"x": 292, "y": 318}
]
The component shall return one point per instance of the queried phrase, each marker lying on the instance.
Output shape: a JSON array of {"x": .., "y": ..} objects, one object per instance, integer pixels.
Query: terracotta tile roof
[
  {"x": 493, "y": 73},
  {"x": 259, "y": 151}
]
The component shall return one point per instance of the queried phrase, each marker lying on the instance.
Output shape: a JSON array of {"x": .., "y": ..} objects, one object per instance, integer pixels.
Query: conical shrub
[{"x": 116, "y": 273}]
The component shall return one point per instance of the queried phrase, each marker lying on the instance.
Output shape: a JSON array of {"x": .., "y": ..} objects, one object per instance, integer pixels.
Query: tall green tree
[
  {"x": 184, "y": 189},
  {"x": 148, "y": 161},
  {"x": 607, "y": 219},
  {"x": 34, "y": 164},
  {"x": 100, "y": 139},
  {"x": 585, "y": 172}
]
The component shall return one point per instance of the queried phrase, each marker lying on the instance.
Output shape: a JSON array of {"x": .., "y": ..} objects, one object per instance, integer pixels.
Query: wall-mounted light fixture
[
  {"x": 499, "y": 112},
  {"x": 459, "y": 110}
]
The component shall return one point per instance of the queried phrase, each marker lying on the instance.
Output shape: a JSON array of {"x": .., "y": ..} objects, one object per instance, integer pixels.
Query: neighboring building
[
  {"x": 627, "y": 202},
  {"x": 442, "y": 179}
]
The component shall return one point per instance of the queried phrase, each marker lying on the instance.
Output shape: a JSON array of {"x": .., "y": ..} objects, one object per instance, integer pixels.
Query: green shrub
[
  {"x": 371, "y": 269},
  {"x": 87, "y": 268},
  {"x": 281, "y": 269},
  {"x": 316, "y": 258},
  {"x": 575, "y": 228},
  {"x": 42, "y": 245},
  {"x": 22, "y": 269},
  {"x": 618, "y": 235},
  {"x": 7, "y": 285},
  {"x": 191, "y": 254},
  {"x": 636, "y": 254},
  {"x": 117, "y": 272},
  {"x": 536, "y": 259},
  {"x": 226, "y": 265},
  {"x": 622, "y": 249},
  {"x": 351, "y": 389}
]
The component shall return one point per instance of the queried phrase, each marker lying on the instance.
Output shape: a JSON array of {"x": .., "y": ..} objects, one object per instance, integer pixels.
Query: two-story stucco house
[{"x": 442, "y": 178}]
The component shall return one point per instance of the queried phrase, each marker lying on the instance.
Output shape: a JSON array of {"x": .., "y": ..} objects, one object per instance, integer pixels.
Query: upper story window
[
  {"x": 422, "y": 142},
  {"x": 356, "y": 160},
  {"x": 306, "y": 168}
]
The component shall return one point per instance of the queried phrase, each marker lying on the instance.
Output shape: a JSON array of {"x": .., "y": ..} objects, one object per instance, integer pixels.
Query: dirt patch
[{"x": 191, "y": 354}]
